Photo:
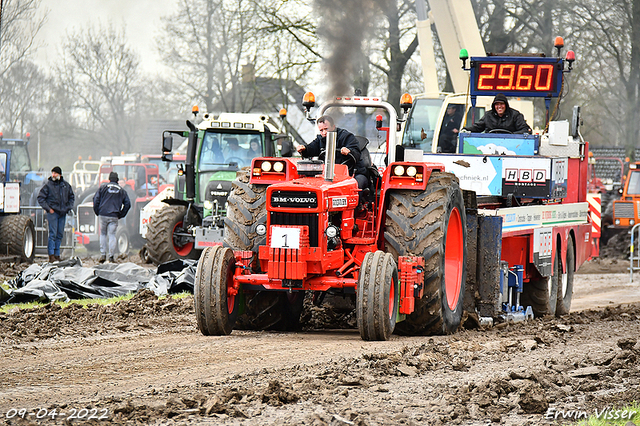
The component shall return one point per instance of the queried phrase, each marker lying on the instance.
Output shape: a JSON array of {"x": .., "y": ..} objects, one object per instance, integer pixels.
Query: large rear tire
[
  {"x": 565, "y": 281},
  {"x": 216, "y": 301},
  {"x": 377, "y": 296},
  {"x": 272, "y": 310},
  {"x": 161, "y": 243},
  {"x": 17, "y": 235},
  {"x": 246, "y": 209},
  {"x": 431, "y": 224}
]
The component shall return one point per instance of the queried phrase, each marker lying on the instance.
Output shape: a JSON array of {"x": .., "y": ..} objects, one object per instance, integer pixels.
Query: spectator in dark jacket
[
  {"x": 110, "y": 203},
  {"x": 346, "y": 144},
  {"x": 502, "y": 117},
  {"x": 56, "y": 198}
]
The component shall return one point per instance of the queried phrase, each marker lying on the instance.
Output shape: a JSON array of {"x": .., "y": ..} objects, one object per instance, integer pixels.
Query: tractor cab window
[
  {"x": 219, "y": 150},
  {"x": 3, "y": 166},
  {"x": 232, "y": 151},
  {"x": 255, "y": 148},
  {"x": 20, "y": 161},
  {"x": 451, "y": 124},
  {"x": 421, "y": 124},
  {"x": 634, "y": 183},
  {"x": 479, "y": 113}
]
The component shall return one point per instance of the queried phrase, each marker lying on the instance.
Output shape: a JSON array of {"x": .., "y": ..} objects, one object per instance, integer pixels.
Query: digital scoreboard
[{"x": 513, "y": 77}]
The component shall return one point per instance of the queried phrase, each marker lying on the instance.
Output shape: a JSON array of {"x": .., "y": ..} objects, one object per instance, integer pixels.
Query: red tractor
[{"x": 400, "y": 260}]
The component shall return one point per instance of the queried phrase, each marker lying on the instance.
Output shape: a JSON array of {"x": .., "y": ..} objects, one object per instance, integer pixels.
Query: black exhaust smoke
[{"x": 344, "y": 27}]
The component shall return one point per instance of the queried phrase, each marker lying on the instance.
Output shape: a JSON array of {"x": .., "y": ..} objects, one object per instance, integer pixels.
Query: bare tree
[
  {"x": 609, "y": 50},
  {"x": 23, "y": 90},
  {"x": 20, "y": 80},
  {"x": 206, "y": 44},
  {"x": 358, "y": 42},
  {"x": 101, "y": 73},
  {"x": 19, "y": 26}
]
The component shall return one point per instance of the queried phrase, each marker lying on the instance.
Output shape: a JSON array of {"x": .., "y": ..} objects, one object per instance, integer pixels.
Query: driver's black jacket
[
  {"x": 344, "y": 138},
  {"x": 512, "y": 120}
]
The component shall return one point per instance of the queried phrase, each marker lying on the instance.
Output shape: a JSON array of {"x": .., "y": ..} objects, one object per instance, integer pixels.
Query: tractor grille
[
  {"x": 306, "y": 219},
  {"x": 623, "y": 210},
  {"x": 86, "y": 219}
]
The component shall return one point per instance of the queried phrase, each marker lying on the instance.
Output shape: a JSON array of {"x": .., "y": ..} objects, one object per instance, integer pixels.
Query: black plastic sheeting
[{"x": 68, "y": 280}]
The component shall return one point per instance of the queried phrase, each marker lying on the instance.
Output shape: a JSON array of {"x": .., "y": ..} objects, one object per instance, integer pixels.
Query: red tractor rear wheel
[
  {"x": 217, "y": 303},
  {"x": 432, "y": 224},
  {"x": 377, "y": 296},
  {"x": 246, "y": 210}
]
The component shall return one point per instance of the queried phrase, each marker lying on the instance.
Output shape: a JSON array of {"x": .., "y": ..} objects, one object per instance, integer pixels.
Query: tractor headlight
[
  {"x": 266, "y": 166},
  {"x": 632, "y": 222},
  {"x": 92, "y": 228},
  {"x": 261, "y": 229},
  {"x": 278, "y": 167},
  {"x": 398, "y": 170},
  {"x": 208, "y": 205},
  {"x": 331, "y": 231},
  {"x": 411, "y": 171},
  {"x": 81, "y": 228},
  {"x": 617, "y": 221}
]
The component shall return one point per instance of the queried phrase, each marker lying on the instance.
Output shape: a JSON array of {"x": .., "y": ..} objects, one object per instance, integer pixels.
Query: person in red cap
[
  {"x": 56, "y": 198},
  {"x": 110, "y": 203}
]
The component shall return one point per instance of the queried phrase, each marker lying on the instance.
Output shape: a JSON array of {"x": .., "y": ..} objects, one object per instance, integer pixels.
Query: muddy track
[{"x": 143, "y": 361}]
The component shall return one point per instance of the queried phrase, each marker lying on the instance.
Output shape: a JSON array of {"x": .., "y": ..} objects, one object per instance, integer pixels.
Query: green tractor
[{"x": 217, "y": 149}]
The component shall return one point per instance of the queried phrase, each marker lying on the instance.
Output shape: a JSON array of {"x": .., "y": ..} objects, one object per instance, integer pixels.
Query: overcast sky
[{"x": 141, "y": 18}]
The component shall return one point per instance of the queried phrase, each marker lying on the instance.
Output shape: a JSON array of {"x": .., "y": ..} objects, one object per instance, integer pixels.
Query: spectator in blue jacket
[
  {"x": 110, "y": 203},
  {"x": 56, "y": 198}
]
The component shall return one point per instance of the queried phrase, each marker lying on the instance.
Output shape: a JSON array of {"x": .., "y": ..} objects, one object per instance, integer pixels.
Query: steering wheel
[
  {"x": 350, "y": 162},
  {"x": 500, "y": 131},
  {"x": 238, "y": 160}
]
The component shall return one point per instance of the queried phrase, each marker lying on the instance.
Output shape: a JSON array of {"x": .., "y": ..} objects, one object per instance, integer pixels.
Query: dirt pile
[
  {"x": 617, "y": 247},
  {"x": 143, "y": 311}
]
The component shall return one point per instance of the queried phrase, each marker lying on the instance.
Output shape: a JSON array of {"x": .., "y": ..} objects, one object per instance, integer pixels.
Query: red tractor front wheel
[
  {"x": 217, "y": 302},
  {"x": 377, "y": 296}
]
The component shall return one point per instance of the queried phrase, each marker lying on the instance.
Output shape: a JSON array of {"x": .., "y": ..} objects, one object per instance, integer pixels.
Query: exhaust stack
[{"x": 330, "y": 156}]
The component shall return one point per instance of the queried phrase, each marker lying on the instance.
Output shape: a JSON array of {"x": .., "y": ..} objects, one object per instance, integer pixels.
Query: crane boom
[{"x": 458, "y": 29}]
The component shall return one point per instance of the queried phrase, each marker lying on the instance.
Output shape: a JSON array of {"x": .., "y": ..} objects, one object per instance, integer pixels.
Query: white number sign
[{"x": 285, "y": 237}]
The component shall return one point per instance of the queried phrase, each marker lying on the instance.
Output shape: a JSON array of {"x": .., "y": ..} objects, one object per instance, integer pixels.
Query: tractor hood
[{"x": 314, "y": 194}]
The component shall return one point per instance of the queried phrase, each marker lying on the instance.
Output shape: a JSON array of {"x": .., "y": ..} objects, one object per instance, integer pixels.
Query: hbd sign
[{"x": 525, "y": 175}]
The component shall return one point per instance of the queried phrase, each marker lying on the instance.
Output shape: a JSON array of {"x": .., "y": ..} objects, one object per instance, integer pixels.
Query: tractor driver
[
  {"x": 501, "y": 117},
  {"x": 346, "y": 143}
]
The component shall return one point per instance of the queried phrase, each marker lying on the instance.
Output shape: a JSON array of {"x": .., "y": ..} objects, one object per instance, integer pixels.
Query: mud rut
[{"x": 143, "y": 361}]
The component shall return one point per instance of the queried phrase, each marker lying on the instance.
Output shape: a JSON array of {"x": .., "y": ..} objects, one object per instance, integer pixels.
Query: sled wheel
[
  {"x": 542, "y": 293},
  {"x": 377, "y": 296},
  {"x": 217, "y": 302},
  {"x": 565, "y": 281}
]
